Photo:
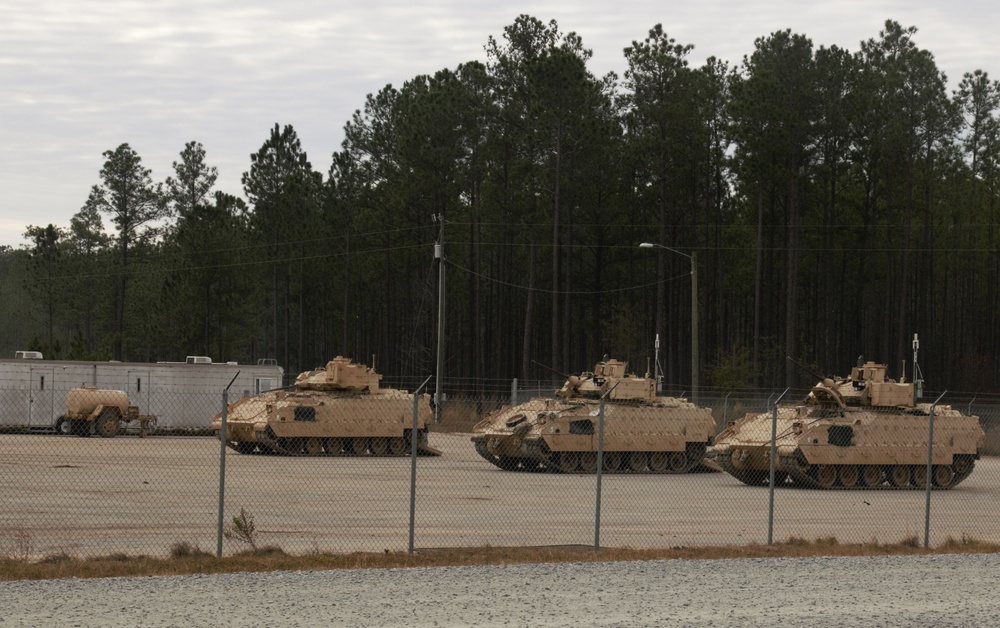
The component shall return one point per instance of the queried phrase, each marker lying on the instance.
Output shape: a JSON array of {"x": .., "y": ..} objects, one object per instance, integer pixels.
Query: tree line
[{"x": 835, "y": 202}]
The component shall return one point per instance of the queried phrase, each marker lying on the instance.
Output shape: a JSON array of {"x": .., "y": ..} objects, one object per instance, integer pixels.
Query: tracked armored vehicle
[
  {"x": 339, "y": 410},
  {"x": 865, "y": 431},
  {"x": 643, "y": 433}
]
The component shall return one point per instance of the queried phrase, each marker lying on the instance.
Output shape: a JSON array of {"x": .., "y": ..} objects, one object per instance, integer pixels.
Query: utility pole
[
  {"x": 695, "y": 375},
  {"x": 439, "y": 256}
]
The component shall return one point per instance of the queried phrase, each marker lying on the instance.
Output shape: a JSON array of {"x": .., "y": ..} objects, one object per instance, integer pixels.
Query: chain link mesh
[{"x": 76, "y": 486}]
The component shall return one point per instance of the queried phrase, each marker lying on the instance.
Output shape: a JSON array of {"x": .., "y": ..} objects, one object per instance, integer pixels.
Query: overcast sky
[{"x": 78, "y": 77}]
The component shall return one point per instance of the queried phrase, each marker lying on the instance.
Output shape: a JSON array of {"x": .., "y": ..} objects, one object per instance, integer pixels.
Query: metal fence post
[
  {"x": 513, "y": 392},
  {"x": 774, "y": 453},
  {"x": 222, "y": 465},
  {"x": 930, "y": 472},
  {"x": 600, "y": 469},
  {"x": 413, "y": 460}
]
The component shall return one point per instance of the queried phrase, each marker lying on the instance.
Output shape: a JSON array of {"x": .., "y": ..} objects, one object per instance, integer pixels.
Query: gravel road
[{"x": 952, "y": 590}]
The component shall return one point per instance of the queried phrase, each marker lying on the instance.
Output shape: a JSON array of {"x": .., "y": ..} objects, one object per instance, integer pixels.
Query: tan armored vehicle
[
  {"x": 864, "y": 431},
  {"x": 102, "y": 412},
  {"x": 643, "y": 433},
  {"x": 339, "y": 410}
]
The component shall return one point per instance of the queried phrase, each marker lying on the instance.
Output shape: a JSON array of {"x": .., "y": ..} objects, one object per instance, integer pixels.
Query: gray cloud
[{"x": 82, "y": 77}]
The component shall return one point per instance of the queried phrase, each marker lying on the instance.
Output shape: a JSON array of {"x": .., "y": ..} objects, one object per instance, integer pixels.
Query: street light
[{"x": 694, "y": 311}]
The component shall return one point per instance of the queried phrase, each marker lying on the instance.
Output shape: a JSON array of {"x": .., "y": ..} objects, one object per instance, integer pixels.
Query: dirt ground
[{"x": 93, "y": 496}]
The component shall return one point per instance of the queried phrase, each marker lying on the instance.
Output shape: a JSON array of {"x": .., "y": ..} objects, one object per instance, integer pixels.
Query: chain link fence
[{"x": 138, "y": 475}]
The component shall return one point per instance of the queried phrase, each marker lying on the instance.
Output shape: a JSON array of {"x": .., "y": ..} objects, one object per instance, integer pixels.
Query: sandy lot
[{"x": 89, "y": 496}]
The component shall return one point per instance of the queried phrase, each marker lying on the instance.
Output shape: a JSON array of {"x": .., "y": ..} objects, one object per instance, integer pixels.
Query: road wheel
[
  {"x": 380, "y": 446},
  {"x": 612, "y": 461},
  {"x": 313, "y": 446},
  {"x": 637, "y": 461},
  {"x": 871, "y": 475},
  {"x": 899, "y": 476},
  {"x": 918, "y": 474},
  {"x": 848, "y": 476},
  {"x": 569, "y": 461},
  {"x": 826, "y": 475},
  {"x": 359, "y": 446},
  {"x": 677, "y": 461},
  {"x": 397, "y": 446},
  {"x": 943, "y": 475},
  {"x": 658, "y": 461},
  {"x": 107, "y": 424},
  {"x": 334, "y": 446},
  {"x": 588, "y": 461}
]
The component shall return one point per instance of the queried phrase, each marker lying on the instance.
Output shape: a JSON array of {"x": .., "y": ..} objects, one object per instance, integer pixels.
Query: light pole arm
[
  {"x": 650, "y": 245},
  {"x": 694, "y": 312}
]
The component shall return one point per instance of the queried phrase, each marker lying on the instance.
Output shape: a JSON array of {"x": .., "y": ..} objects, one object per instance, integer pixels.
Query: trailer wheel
[
  {"x": 107, "y": 424},
  {"x": 64, "y": 426}
]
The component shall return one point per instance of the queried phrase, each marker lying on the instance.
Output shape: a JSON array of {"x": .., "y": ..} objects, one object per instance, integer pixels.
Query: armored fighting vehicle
[
  {"x": 865, "y": 431},
  {"x": 643, "y": 433},
  {"x": 339, "y": 410}
]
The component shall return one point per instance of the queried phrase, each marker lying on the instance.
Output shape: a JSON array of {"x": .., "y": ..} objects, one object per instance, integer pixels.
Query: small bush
[
  {"x": 16, "y": 544},
  {"x": 183, "y": 549},
  {"x": 58, "y": 558},
  {"x": 242, "y": 529}
]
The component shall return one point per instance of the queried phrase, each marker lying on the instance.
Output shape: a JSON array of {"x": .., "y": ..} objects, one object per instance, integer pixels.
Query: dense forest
[{"x": 833, "y": 203}]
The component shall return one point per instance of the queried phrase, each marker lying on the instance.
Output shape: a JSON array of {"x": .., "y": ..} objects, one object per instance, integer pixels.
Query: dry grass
[{"x": 187, "y": 559}]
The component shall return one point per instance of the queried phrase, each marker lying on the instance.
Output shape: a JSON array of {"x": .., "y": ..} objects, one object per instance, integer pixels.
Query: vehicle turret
[
  {"x": 868, "y": 386},
  {"x": 609, "y": 375},
  {"x": 340, "y": 374}
]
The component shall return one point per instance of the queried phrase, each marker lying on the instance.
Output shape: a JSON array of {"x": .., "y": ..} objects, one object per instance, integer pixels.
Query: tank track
[
  {"x": 750, "y": 477},
  {"x": 507, "y": 463},
  {"x": 269, "y": 444},
  {"x": 541, "y": 459},
  {"x": 805, "y": 475}
]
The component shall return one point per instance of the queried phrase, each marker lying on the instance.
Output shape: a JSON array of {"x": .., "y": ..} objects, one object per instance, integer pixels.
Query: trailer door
[
  {"x": 138, "y": 385},
  {"x": 264, "y": 384},
  {"x": 41, "y": 397}
]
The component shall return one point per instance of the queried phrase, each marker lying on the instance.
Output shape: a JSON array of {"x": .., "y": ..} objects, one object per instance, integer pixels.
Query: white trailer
[{"x": 181, "y": 394}]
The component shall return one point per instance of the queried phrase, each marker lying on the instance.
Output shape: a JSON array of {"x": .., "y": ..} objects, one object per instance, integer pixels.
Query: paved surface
[
  {"x": 937, "y": 591},
  {"x": 88, "y": 496}
]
